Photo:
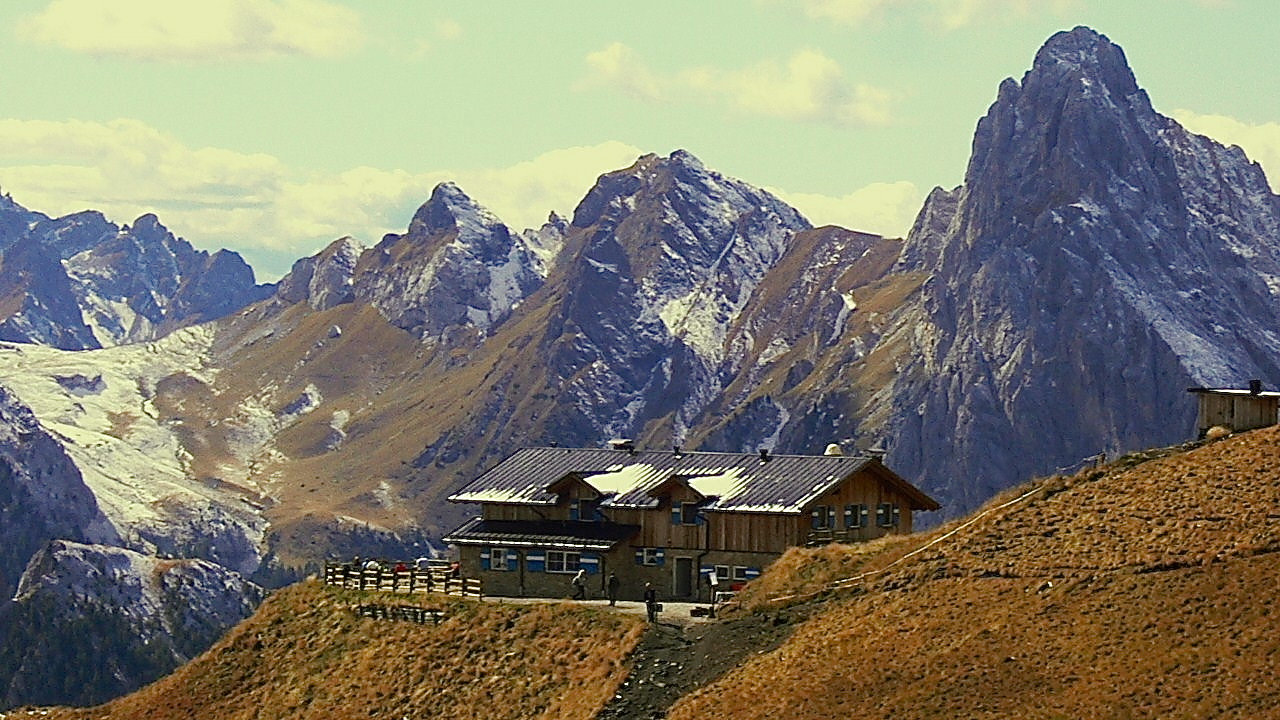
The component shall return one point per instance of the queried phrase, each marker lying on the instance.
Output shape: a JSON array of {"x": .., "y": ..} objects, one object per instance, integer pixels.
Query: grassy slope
[
  {"x": 1142, "y": 591},
  {"x": 305, "y": 655}
]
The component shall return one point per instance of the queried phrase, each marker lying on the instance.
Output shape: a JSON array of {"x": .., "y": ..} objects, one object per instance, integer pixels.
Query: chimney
[
  {"x": 675, "y": 450},
  {"x": 764, "y": 455},
  {"x": 1255, "y": 387}
]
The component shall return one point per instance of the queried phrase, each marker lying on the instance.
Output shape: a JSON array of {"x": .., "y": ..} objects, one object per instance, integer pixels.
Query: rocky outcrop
[
  {"x": 324, "y": 280},
  {"x": 42, "y": 496},
  {"x": 90, "y": 622}
]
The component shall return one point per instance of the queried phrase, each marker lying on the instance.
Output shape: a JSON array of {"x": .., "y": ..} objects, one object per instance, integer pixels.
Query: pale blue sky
[{"x": 275, "y": 126}]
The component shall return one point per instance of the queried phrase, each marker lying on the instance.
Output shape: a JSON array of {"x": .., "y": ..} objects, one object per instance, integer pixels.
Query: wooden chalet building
[
  {"x": 1236, "y": 409},
  {"x": 669, "y": 518}
]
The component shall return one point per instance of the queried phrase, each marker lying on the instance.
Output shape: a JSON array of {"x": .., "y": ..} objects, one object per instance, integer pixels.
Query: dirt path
[{"x": 676, "y": 657}]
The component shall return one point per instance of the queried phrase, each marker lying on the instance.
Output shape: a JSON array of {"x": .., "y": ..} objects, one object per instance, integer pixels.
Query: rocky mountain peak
[
  {"x": 1085, "y": 53},
  {"x": 448, "y": 209}
]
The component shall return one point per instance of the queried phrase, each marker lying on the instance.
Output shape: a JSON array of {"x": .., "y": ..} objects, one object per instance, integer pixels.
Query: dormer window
[
  {"x": 684, "y": 513},
  {"x": 583, "y": 509}
]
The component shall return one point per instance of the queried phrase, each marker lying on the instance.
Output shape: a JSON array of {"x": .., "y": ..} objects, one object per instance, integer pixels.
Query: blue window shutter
[
  {"x": 536, "y": 561},
  {"x": 816, "y": 523},
  {"x": 589, "y": 562},
  {"x": 513, "y": 561},
  {"x": 849, "y": 516},
  {"x": 484, "y": 559},
  {"x": 675, "y": 513},
  {"x": 831, "y": 517},
  {"x": 573, "y": 509},
  {"x": 752, "y": 573},
  {"x": 662, "y": 557},
  {"x": 701, "y": 519},
  {"x": 640, "y": 557}
]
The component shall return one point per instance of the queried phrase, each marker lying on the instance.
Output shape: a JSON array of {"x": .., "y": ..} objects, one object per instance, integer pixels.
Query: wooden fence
[
  {"x": 410, "y": 613},
  {"x": 410, "y": 580}
]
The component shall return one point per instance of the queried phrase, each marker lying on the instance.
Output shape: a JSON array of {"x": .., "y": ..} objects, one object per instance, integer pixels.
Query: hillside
[
  {"x": 1139, "y": 589},
  {"x": 305, "y": 655}
]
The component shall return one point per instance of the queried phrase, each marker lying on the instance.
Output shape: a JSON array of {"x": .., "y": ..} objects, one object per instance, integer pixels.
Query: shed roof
[{"x": 732, "y": 482}]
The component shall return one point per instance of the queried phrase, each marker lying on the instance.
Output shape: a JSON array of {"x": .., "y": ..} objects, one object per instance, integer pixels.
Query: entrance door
[{"x": 684, "y": 577}]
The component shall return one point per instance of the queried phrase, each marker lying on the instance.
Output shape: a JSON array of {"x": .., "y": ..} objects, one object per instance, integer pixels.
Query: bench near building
[{"x": 670, "y": 518}]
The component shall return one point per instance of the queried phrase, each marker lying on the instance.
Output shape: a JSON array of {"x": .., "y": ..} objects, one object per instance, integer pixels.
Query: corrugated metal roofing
[
  {"x": 737, "y": 482},
  {"x": 548, "y": 534}
]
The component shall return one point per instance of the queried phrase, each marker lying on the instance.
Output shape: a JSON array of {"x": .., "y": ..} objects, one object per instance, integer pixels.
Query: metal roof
[
  {"x": 541, "y": 533},
  {"x": 733, "y": 482}
]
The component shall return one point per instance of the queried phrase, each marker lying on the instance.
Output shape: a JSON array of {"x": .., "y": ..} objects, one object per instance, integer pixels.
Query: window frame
[
  {"x": 651, "y": 556},
  {"x": 494, "y": 554},
  {"x": 562, "y": 560}
]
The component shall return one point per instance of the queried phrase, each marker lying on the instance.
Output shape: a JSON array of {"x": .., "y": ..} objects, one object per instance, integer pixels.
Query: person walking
[
  {"x": 612, "y": 587},
  {"x": 580, "y": 585},
  {"x": 651, "y": 602}
]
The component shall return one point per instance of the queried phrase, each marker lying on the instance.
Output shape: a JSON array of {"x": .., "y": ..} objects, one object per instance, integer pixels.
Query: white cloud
[
  {"x": 254, "y": 203},
  {"x": 203, "y": 30},
  {"x": 886, "y": 209},
  {"x": 1260, "y": 142},
  {"x": 946, "y": 15},
  {"x": 808, "y": 86},
  {"x": 620, "y": 67}
]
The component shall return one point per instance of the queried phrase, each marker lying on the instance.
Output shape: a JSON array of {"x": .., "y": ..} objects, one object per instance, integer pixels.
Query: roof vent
[
  {"x": 675, "y": 450},
  {"x": 764, "y": 455},
  {"x": 1255, "y": 387},
  {"x": 833, "y": 449}
]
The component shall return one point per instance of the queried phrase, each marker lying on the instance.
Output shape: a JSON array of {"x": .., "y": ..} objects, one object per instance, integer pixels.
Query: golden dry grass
[
  {"x": 306, "y": 655},
  {"x": 1143, "y": 590}
]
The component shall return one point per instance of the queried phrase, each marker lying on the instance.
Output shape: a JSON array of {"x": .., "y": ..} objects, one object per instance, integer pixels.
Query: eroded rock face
[
  {"x": 42, "y": 496},
  {"x": 1100, "y": 259}
]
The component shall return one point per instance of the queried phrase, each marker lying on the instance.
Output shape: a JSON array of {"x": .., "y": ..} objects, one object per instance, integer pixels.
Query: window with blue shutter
[
  {"x": 536, "y": 561},
  {"x": 887, "y": 515},
  {"x": 640, "y": 556},
  {"x": 513, "y": 561},
  {"x": 855, "y": 516},
  {"x": 484, "y": 559},
  {"x": 676, "y": 512},
  {"x": 573, "y": 509},
  {"x": 589, "y": 562}
]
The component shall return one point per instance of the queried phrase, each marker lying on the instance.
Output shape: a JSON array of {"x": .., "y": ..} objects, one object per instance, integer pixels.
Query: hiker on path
[
  {"x": 580, "y": 585},
  {"x": 613, "y": 588},
  {"x": 651, "y": 602}
]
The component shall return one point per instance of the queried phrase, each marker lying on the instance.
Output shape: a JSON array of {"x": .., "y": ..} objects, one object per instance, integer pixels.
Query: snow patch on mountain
[{"x": 135, "y": 464}]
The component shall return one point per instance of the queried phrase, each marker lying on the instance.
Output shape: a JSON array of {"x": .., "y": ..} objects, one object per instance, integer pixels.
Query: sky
[{"x": 273, "y": 127}]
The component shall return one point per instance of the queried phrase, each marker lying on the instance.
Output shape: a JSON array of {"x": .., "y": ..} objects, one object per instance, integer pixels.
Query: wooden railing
[
  {"x": 409, "y": 580},
  {"x": 410, "y": 613}
]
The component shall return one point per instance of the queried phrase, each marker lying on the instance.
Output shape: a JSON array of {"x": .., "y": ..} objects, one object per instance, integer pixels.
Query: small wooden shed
[{"x": 1236, "y": 409}]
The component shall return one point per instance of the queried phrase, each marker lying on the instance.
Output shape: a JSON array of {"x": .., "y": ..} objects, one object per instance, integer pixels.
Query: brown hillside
[
  {"x": 306, "y": 655},
  {"x": 1141, "y": 590}
]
